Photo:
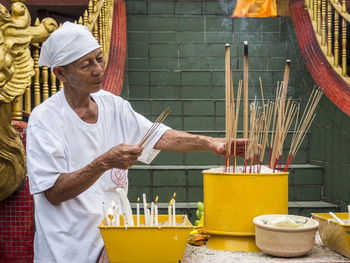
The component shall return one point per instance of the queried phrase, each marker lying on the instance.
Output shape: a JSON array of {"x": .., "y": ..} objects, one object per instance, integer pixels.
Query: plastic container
[
  {"x": 146, "y": 244},
  {"x": 334, "y": 235},
  {"x": 232, "y": 200},
  {"x": 285, "y": 241}
]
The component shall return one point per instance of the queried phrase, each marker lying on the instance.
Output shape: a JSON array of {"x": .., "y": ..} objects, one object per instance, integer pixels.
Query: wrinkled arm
[
  {"x": 179, "y": 141},
  {"x": 70, "y": 185}
]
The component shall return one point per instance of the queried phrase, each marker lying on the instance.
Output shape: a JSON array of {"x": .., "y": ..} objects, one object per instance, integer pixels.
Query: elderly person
[{"x": 76, "y": 138}]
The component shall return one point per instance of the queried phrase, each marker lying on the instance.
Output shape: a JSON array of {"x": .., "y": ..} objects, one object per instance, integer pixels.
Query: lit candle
[
  {"x": 114, "y": 212},
  {"x": 110, "y": 216},
  {"x": 152, "y": 213},
  {"x": 138, "y": 211},
  {"x": 174, "y": 214},
  {"x": 169, "y": 214},
  {"x": 104, "y": 212},
  {"x": 145, "y": 209},
  {"x": 156, "y": 212}
]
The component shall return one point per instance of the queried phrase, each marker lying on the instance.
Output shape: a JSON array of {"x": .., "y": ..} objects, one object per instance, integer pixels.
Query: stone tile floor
[{"x": 202, "y": 254}]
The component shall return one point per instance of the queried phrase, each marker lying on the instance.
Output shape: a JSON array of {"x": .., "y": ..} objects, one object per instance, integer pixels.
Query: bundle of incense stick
[
  {"x": 155, "y": 126},
  {"x": 275, "y": 118}
]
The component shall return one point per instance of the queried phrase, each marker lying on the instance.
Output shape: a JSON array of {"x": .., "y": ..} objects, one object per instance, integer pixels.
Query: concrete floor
[{"x": 202, "y": 254}]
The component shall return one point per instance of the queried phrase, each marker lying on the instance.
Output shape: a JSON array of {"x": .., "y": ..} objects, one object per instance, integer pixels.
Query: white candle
[
  {"x": 104, "y": 212},
  {"x": 110, "y": 216},
  {"x": 155, "y": 215},
  {"x": 169, "y": 214},
  {"x": 174, "y": 214},
  {"x": 145, "y": 209},
  {"x": 152, "y": 213},
  {"x": 138, "y": 214}
]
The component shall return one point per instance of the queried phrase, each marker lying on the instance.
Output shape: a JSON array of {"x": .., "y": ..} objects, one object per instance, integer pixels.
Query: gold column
[
  {"x": 323, "y": 25},
  {"x": 17, "y": 108},
  {"x": 314, "y": 17},
  {"x": 319, "y": 17},
  {"x": 45, "y": 83},
  {"x": 329, "y": 28},
  {"x": 85, "y": 17},
  {"x": 53, "y": 83},
  {"x": 36, "y": 77},
  {"x": 336, "y": 39},
  {"x": 344, "y": 62}
]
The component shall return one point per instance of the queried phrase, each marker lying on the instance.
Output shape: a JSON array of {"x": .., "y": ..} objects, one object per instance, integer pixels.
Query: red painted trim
[
  {"x": 114, "y": 75},
  {"x": 336, "y": 89}
]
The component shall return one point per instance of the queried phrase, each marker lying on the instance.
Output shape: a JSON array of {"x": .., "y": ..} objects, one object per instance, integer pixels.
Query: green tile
[
  {"x": 168, "y": 158},
  {"x": 218, "y": 50},
  {"x": 220, "y": 108},
  {"x": 308, "y": 176},
  {"x": 175, "y": 122},
  {"x": 162, "y": 37},
  {"x": 254, "y": 50},
  {"x": 195, "y": 178},
  {"x": 190, "y": 37},
  {"x": 138, "y": 92},
  {"x": 137, "y": 50},
  {"x": 163, "y": 50},
  {"x": 139, "y": 177},
  {"x": 195, "y": 194},
  {"x": 328, "y": 180},
  {"x": 257, "y": 63},
  {"x": 166, "y": 193},
  {"x": 341, "y": 183},
  {"x": 136, "y": 7},
  {"x": 216, "y": 8},
  {"x": 138, "y": 78},
  {"x": 250, "y": 37},
  {"x": 164, "y": 63},
  {"x": 219, "y": 37},
  {"x": 218, "y": 92},
  {"x": 137, "y": 37},
  {"x": 159, "y": 106},
  {"x": 196, "y": 92},
  {"x": 165, "y": 78},
  {"x": 307, "y": 193},
  {"x": 193, "y": 63},
  {"x": 188, "y": 8},
  {"x": 217, "y": 64},
  {"x": 161, "y": 8},
  {"x": 135, "y": 23},
  {"x": 169, "y": 178},
  {"x": 193, "y": 50},
  {"x": 142, "y": 107},
  {"x": 197, "y": 108},
  {"x": 271, "y": 24},
  {"x": 270, "y": 37},
  {"x": 245, "y": 25},
  {"x": 198, "y": 123},
  {"x": 190, "y": 23},
  {"x": 162, "y": 23},
  {"x": 218, "y": 78},
  {"x": 135, "y": 192},
  {"x": 278, "y": 49},
  {"x": 276, "y": 63},
  {"x": 165, "y": 92},
  {"x": 204, "y": 158},
  {"x": 195, "y": 78},
  {"x": 218, "y": 24}
]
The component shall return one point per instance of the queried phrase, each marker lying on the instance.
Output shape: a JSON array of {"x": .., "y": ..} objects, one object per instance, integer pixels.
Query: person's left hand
[{"x": 241, "y": 145}]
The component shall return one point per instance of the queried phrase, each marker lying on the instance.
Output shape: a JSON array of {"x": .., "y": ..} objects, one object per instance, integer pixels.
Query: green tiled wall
[
  {"x": 330, "y": 147},
  {"x": 176, "y": 59}
]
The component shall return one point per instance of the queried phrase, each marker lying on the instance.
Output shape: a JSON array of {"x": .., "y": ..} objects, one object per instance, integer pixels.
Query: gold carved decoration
[{"x": 16, "y": 71}]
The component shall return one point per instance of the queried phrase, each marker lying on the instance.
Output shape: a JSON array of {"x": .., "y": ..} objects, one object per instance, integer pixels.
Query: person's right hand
[{"x": 122, "y": 156}]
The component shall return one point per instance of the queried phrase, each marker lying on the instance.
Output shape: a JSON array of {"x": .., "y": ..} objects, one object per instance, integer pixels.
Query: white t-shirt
[{"x": 58, "y": 141}]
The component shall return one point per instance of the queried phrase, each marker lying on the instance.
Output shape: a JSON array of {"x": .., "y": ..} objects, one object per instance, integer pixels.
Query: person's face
[{"x": 85, "y": 74}]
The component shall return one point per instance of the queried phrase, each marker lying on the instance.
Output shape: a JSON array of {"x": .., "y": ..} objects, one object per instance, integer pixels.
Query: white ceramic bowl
[{"x": 284, "y": 241}]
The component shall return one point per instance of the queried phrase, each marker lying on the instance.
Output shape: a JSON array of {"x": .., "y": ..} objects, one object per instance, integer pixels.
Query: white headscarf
[{"x": 67, "y": 44}]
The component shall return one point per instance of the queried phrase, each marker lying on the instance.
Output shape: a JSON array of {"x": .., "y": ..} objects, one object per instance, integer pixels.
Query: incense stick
[
  {"x": 155, "y": 126},
  {"x": 245, "y": 92}
]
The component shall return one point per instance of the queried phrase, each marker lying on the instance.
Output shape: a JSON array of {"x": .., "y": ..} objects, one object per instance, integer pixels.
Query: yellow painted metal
[
  {"x": 142, "y": 244},
  {"x": 231, "y": 201},
  {"x": 333, "y": 234}
]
